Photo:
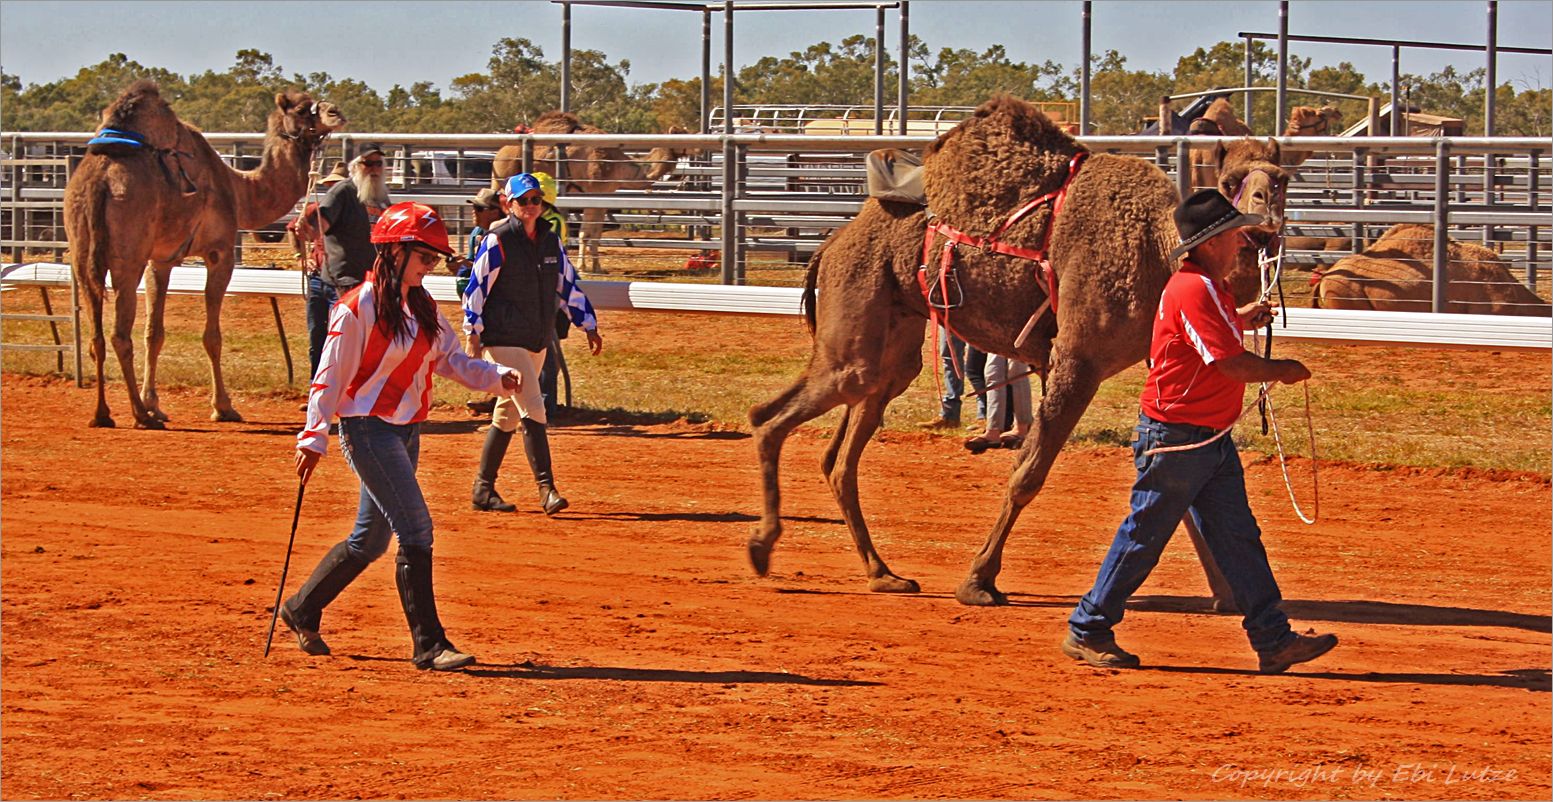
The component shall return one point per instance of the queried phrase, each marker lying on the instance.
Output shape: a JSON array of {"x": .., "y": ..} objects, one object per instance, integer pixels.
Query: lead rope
[
  {"x": 313, "y": 175},
  {"x": 1283, "y": 464}
]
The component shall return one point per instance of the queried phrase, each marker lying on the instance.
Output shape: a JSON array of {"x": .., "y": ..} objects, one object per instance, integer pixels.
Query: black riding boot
[
  {"x": 412, "y": 573},
  {"x": 491, "y": 456},
  {"x": 303, "y": 612},
  {"x": 536, "y": 443}
]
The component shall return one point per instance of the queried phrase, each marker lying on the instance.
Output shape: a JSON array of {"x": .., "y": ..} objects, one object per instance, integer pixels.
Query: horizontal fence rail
[
  {"x": 751, "y": 208},
  {"x": 1318, "y": 325}
]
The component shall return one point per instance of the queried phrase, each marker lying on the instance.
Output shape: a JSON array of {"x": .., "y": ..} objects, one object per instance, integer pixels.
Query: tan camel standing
[
  {"x": 588, "y": 169},
  {"x": 1396, "y": 274},
  {"x": 1109, "y": 248},
  {"x": 126, "y": 206}
]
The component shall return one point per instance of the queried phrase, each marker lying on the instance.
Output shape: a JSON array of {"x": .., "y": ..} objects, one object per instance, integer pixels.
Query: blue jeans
[
  {"x": 321, "y": 298},
  {"x": 547, "y": 379},
  {"x": 384, "y": 456},
  {"x": 975, "y": 370},
  {"x": 1208, "y": 482},
  {"x": 953, "y": 350}
]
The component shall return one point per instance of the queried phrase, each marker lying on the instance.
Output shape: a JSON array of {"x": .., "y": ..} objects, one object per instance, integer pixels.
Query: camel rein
[{"x": 938, "y": 314}]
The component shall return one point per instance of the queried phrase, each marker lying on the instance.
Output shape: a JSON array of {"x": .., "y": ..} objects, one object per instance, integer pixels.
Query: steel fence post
[
  {"x": 1442, "y": 200},
  {"x": 1183, "y": 167}
]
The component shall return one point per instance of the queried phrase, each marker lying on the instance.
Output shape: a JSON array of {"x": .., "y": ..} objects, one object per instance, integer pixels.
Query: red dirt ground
[{"x": 628, "y": 652}]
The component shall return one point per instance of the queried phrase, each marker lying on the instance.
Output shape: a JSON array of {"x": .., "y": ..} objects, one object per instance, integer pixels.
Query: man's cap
[
  {"x": 486, "y": 199},
  {"x": 368, "y": 147},
  {"x": 1204, "y": 214}
]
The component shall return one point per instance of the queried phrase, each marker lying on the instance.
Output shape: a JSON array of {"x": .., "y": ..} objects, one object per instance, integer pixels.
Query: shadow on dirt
[
  {"x": 535, "y": 671},
  {"x": 1530, "y": 679},
  {"x": 1354, "y": 611},
  {"x": 626, "y": 430},
  {"x": 690, "y": 517}
]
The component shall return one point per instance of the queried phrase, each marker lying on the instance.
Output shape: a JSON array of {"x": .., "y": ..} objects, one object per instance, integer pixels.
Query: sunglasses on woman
[{"x": 529, "y": 200}]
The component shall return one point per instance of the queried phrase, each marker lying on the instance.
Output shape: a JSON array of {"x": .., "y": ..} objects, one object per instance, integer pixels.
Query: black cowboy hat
[{"x": 1204, "y": 214}]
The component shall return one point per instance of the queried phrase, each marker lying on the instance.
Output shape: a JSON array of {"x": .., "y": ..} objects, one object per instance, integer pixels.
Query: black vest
[{"x": 520, "y": 307}]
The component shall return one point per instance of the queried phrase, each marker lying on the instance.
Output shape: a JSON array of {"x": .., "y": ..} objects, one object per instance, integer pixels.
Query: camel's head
[
  {"x": 1250, "y": 176},
  {"x": 298, "y": 117},
  {"x": 141, "y": 109},
  {"x": 1310, "y": 121}
]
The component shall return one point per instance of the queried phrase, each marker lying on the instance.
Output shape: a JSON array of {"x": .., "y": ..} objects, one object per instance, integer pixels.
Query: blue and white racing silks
[{"x": 487, "y": 266}]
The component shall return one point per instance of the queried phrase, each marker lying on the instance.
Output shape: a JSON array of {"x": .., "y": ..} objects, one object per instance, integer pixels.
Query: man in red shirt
[{"x": 1196, "y": 383}]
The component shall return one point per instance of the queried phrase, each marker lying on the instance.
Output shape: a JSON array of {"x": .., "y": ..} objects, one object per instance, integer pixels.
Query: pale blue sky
[{"x": 43, "y": 40}]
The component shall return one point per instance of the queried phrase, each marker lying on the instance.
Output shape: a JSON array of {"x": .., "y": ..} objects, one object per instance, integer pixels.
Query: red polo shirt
[{"x": 1195, "y": 328}]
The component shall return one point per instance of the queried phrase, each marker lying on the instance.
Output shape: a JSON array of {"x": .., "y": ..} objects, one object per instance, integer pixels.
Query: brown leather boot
[{"x": 1099, "y": 653}]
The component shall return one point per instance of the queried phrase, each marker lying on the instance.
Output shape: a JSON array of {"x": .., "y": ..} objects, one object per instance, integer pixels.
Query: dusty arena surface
[{"x": 626, "y": 650}]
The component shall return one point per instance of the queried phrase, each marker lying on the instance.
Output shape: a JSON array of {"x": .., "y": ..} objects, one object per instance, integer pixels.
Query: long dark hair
[{"x": 388, "y": 273}]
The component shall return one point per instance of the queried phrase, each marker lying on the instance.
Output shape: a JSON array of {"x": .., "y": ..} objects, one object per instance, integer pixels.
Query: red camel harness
[{"x": 939, "y": 313}]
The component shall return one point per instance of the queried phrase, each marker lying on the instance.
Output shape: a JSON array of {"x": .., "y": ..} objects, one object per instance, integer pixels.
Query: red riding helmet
[{"x": 412, "y": 222}]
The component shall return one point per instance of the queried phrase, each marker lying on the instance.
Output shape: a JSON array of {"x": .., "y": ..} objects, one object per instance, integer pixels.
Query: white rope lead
[
  {"x": 1283, "y": 464},
  {"x": 1278, "y": 441}
]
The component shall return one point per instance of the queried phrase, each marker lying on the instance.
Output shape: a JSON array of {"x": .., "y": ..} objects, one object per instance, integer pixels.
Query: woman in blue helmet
[{"x": 521, "y": 276}]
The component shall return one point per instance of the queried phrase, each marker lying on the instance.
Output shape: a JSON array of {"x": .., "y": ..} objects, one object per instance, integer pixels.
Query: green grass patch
[{"x": 1369, "y": 404}]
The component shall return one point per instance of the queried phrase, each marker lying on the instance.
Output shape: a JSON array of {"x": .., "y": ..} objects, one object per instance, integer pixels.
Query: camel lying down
[{"x": 1396, "y": 274}]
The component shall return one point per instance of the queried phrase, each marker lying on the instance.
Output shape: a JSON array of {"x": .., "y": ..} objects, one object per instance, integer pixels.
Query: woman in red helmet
[{"x": 386, "y": 337}]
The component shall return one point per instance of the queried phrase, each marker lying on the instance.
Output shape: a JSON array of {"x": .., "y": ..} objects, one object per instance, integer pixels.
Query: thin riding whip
[{"x": 296, "y": 515}]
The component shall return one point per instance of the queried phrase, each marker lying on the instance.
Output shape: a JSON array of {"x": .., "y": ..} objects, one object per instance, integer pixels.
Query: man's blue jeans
[
  {"x": 321, "y": 298},
  {"x": 952, "y": 349},
  {"x": 1209, "y": 482},
  {"x": 384, "y": 456}
]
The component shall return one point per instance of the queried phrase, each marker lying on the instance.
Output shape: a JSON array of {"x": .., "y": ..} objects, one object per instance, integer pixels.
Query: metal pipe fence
[{"x": 782, "y": 194}]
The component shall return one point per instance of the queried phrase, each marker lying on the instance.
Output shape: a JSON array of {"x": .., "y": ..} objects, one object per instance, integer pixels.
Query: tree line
[{"x": 519, "y": 84}]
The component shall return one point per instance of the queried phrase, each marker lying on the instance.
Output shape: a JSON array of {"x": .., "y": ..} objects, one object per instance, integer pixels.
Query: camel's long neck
[{"x": 265, "y": 194}]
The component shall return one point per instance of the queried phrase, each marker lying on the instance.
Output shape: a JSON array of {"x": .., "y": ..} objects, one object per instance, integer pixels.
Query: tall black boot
[
  {"x": 303, "y": 612},
  {"x": 412, "y": 573},
  {"x": 491, "y": 456},
  {"x": 536, "y": 443}
]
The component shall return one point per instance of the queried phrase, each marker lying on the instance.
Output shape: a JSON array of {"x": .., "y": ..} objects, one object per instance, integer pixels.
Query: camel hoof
[
  {"x": 150, "y": 423},
  {"x": 893, "y": 584},
  {"x": 975, "y": 594},
  {"x": 157, "y": 414},
  {"x": 760, "y": 557},
  {"x": 103, "y": 422},
  {"x": 1225, "y": 606},
  {"x": 226, "y": 416}
]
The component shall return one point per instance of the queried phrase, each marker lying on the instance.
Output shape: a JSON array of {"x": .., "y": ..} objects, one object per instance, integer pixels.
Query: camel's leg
[
  {"x": 833, "y": 448},
  {"x": 804, "y": 401},
  {"x": 592, "y": 229},
  {"x": 1072, "y": 387},
  {"x": 94, "y": 299},
  {"x": 218, "y": 274},
  {"x": 126, "y": 285},
  {"x": 1223, "y": 598},
  {"x": 156, "y": 334},
  {"x": 863, "y": 420}
]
